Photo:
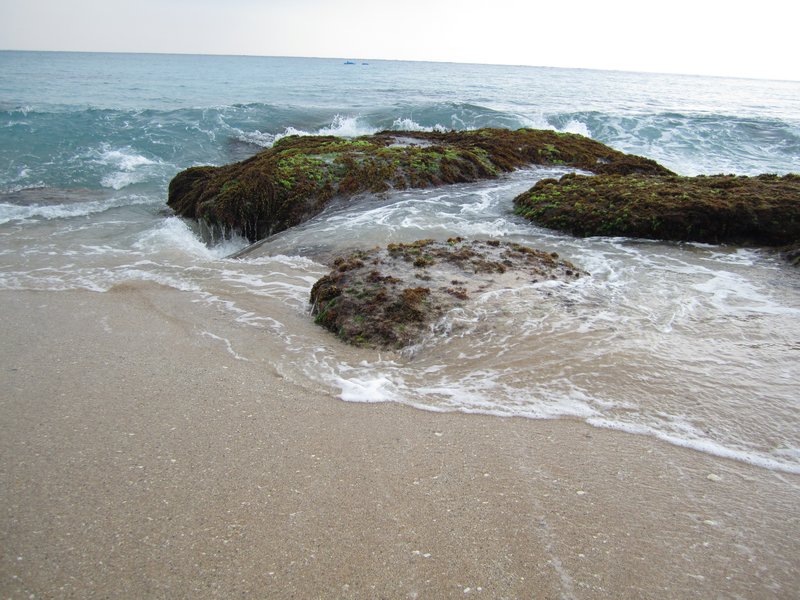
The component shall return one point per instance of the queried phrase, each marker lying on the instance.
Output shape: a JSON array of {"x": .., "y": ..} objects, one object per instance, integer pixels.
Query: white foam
[
  {"x": 291, "y": 131},
  {"x": 227, "y": 343},
  {"x": 130, "y": 167},
  {"x": 341, "y": 126},
  {"x": 406, "y": 124},
  {"x": 173, "y": 234},
  {"x": 95, "y": 279},
  {"x": 575, "y": 126},
  {"x": 366, "y": 389},
  {"x": 733, "y": 294},
  {"x": 704, "y": 445},
  {"x": 124, "y": 275},
  {"x": 258, "y": 138},
  {"x": 347, "y": 127},
  {"x": 124, "y": 159},
  {"x": 295, "y": 262},
  {"x": 540, "y": 122},
  {"x": 739, "y": 256},
  {"x": 21, "y": 213},
  {"x": 270, "y": 284},
  {"x": 536, "y": 122},
  {"x": 484, "y": 392}
]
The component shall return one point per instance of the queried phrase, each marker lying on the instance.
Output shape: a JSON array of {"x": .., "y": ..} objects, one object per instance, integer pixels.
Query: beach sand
[{"x": 140, "y": 459}]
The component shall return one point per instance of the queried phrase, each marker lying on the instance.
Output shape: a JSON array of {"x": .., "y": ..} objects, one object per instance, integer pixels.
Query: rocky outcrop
[
  {"x": 391, "y": 297},
  {"x": 762, "y": 210},
  {"x": 296, "y": 178}
]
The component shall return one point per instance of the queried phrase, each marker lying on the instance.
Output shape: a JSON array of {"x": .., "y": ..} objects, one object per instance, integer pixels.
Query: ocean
[{"x": 693, "y": 344}]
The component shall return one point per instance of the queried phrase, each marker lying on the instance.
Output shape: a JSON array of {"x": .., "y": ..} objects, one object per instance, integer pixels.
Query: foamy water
[{"x": 693, "y": 344}]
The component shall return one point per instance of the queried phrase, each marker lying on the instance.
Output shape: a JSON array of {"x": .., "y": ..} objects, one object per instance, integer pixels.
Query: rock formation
[
  {"x": 390, "y": 297},
  {"x": 296, "y": 178},
  {"x": 762, "y": 210}
]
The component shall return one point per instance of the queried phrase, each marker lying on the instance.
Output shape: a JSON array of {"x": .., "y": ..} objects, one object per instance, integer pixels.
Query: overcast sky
[{"x": 710, "y": 37}]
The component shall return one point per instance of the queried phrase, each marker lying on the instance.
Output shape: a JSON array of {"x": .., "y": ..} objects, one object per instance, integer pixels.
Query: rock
[
  {"x": 390, "y": 297},
  {"x": 762, "y": 210},
  {"x": 296, "y": 178},
  {"x": 791, "y": 254}
]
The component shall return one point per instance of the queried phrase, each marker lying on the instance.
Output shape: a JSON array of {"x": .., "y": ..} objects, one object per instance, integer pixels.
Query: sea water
[{"x": 695, "y": 344}]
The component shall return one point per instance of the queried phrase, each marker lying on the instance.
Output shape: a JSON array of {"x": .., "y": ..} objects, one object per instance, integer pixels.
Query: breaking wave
[{"x": 117, "y": 149}]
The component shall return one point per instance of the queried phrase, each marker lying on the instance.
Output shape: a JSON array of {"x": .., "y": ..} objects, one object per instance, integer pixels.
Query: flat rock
[
  {"x": 762, "y": 210},
  {"x": 390, "y": 297}
]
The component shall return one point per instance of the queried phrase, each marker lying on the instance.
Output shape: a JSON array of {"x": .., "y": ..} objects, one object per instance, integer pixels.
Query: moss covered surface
[
  {"x": 296, "y": 178},
  {"x": 391, "y": 297},
  {"x": 762, "y": 210}
]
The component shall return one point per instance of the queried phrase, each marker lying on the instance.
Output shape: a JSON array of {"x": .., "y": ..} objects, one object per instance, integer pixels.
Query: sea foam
[
  {"x": 20, "y": 213},
  {"x": 128, "y": 167},
  {"x": 173, "y": 234}
]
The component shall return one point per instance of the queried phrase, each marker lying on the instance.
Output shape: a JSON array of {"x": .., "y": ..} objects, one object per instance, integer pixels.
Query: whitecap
[
  {"x": 127, "y": 166},
  {"x": 40, "y": 211},
  {"x": 256, "y": 137},
  {"x": 575, "y": 126},
  {"x": 407, "y": 124},
  {"x": 173, "y": 234},
  {"x": 341, "y": 126},
  {"x": 344, "y": 126}
]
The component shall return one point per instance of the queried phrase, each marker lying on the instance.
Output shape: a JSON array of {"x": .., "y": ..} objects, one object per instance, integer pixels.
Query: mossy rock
[
  {"x": 296, "y": 178},
  {"x": 762, "y": 210},
  {"x": 391, "y": 297}
]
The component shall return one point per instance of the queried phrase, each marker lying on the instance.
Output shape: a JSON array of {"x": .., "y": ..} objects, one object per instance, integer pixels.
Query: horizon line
[{"x": 434, "y": 61}]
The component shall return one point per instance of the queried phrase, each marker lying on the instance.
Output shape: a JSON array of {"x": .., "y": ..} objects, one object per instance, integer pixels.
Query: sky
[{"x": 706, "y": 37}]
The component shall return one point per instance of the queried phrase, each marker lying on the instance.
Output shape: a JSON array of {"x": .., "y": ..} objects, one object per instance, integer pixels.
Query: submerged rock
[
  {"x": 389, "y": 297},
  {"x": 296, "y": 178},
  {"x": 792, "y": 254},
  {"x": 762, "y": 210}
]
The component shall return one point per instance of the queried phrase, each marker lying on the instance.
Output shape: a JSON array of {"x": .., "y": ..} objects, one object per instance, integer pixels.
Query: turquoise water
[
  {"x": 693, "y": 344},
  {"x": 114, "y": 120}
]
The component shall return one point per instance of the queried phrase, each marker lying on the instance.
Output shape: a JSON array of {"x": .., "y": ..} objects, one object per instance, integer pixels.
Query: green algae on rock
[
  {"x": 390, "y": 297},
  {"x": 295, "y": 179},
  {"x": 762, "y": 210}
]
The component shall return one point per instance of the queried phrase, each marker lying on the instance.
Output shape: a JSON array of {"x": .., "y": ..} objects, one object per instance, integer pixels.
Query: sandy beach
[{"x": 140, "y": 459}]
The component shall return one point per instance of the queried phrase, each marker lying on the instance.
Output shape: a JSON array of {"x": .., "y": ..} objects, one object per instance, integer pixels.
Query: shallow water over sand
[{"x": 693, "y": 344}]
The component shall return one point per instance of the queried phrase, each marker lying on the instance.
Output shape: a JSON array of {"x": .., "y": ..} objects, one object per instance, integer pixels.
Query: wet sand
[{"x": 139, "y": 459}]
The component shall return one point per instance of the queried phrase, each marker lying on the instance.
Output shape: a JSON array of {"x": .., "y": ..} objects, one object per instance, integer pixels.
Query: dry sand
[{"x": 139, "y": 460}]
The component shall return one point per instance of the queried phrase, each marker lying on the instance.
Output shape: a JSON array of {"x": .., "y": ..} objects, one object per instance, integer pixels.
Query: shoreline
[{"x": 141, "y": 460}]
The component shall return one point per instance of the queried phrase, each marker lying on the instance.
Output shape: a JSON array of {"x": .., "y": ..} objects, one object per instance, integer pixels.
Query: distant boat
[
  {"x": 349, "y": 62},
  {"x": 364, "y": 63}
]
